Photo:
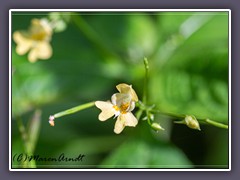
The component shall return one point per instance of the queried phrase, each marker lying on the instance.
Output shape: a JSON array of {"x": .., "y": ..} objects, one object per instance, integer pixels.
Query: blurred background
[{"x": 188, "y": 59}]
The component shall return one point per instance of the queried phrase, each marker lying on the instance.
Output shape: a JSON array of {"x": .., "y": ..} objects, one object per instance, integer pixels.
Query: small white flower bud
[
  {"x": 156, "y": 126},
  {"x": 152, "y": 117},
  {"x": 51, "y": 120},
  {"x": 192, "y": 122}
]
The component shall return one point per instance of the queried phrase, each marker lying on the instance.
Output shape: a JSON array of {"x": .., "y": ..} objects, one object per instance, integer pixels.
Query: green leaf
[
  {"x": 91, "y": 147},
  {"x": 183, "y": 93},
  {"x": 190, "y": 72},
  {"x": 32, "y": 85},
  {"x": 134, "y": 37},
  {"x": 141, "y": 154}
]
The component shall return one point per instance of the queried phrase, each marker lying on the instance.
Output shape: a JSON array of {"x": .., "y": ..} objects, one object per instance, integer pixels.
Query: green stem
[
  {"x": 178, "y": 116},
  {"x": 139, "y": 114},
  {"x": 206, "y": 121},
  {"x": 33, "y": 129},
  {"x": 74, "y": 109},
  {"x": 214, "y": 123},
  {"x": 148, "y": 118},
  {"x": 145, "y": 81}
]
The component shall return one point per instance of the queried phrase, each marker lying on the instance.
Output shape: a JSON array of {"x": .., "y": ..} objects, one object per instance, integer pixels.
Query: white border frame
[{"x": 119, "y": 10}]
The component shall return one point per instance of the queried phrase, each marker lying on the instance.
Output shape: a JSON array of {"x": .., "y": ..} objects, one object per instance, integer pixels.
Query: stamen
[
  {"x": 39, "y": 36},
  {"x": 116, "y": 108},
  {"x": 124, "y": 108}
]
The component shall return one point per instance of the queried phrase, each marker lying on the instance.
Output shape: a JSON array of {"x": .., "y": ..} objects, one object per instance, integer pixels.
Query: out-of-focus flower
[
  {"x": 36, "y": 40},
  {"x": 59, "y": 20},
  {"x": 121, "y": 106}
]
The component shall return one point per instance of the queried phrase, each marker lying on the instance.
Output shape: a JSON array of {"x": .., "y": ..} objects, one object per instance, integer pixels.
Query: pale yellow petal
[
  {"x": 18, "y": 37},
  {"x": 125, "y": 88},
  {"x": 46, "y": 26},
  {"x": 132, "y": 106},
  {"x": 129, "y": 119},
  {"x": 23, "y": 44},
  {"x": 107, "y": 110},
  {"x": 114, "y": 99},
  {"x": 44, "y": 50},
  {"x": 120, "y": 98},
  {"x": 23, "y": 48},
  {"x": 119, "y": 125},
  {"x": 32, "y": 56},
  {"x": 36, "y": 22},
  {"x": 41, "y": 26}
]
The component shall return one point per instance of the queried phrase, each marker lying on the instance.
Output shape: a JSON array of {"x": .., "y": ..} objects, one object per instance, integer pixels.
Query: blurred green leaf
[
  {"x": 32, "y": 86},
  {"x": 182, "y": 93},
  {"x": 140, "y": 154},
  {"x": 190, "y": 74},
  {"x": 92, "y": 147},
  {"x": 134, "y": 37}
]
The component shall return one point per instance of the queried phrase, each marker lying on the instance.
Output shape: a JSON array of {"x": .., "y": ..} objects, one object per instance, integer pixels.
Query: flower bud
[
  {"x": 192, "y": 122},
  {"x": 151, "y": 116},
  {"x": 156, "y": 126},
  {"x": 51, "y": 120}
]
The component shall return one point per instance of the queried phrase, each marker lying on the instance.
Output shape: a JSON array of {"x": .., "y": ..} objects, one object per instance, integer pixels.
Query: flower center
[
  {"x": 123, "y": 108},
  {"x": 39, "y": 36}
]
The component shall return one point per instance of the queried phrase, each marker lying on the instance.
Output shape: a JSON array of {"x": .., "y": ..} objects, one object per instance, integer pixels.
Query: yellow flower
[
  {"x": 36, "y": 40},
  {"x": 121, "y": 106}
]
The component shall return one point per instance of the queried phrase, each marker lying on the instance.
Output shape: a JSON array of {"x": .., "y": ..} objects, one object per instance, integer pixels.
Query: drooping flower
[
  {"x": 121, "y": 105},
  {"x": 36, "y": 40}
]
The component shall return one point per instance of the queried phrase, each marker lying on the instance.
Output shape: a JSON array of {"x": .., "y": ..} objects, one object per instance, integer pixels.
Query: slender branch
[
  {"x": 33, "y": 129},
  {"x": 145, "y": 81},
  {"x": 139, "y": 114},
  {"x": 73, "y": 110},
  {"x": 181, "y": 116},
  {"x": 148, "y": 118},
  {"x": 178, "y": 116},
  {"x": 217, "y": 124}
]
